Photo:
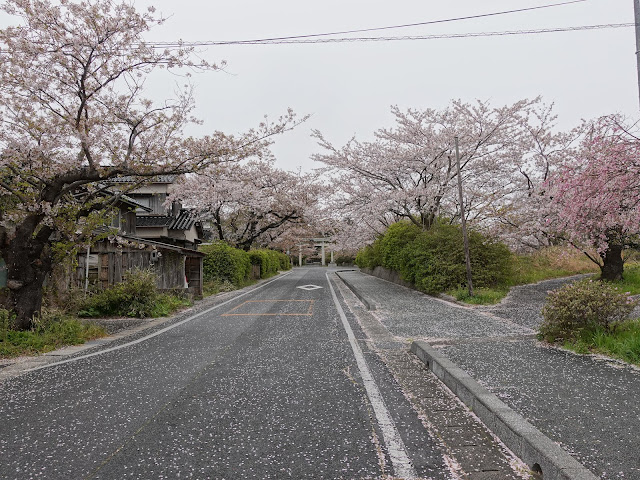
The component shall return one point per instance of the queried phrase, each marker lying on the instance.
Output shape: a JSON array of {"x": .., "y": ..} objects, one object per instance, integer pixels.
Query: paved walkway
[{"x": 589, "y": 405}]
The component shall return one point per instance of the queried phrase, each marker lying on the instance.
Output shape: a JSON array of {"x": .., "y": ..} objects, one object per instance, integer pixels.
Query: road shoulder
[{"x": 471, "y": 449}]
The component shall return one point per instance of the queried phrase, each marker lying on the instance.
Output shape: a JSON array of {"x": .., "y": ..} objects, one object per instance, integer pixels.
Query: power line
[
  {"x": 170, "y": 45},
  {"x": 430, "y": 22},
  {"x": 388, "y": 39}
]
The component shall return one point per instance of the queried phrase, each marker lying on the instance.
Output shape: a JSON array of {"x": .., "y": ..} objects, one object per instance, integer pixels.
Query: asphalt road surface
[{"x": 277, "y": 383}]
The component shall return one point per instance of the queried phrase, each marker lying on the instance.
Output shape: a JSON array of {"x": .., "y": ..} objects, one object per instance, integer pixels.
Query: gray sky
[{"x": 349, "y": 87}]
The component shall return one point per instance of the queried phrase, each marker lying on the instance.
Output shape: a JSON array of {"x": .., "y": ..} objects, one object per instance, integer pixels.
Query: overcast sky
[{"x": 349, "y": 87}]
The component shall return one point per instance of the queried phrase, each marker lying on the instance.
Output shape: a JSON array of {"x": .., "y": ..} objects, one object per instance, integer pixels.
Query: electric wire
[
  {"x": 388, "y": 39},
  {"x": 430, "y": 22}
]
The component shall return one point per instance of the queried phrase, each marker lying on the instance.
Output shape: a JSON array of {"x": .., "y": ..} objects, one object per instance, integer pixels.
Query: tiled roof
[
  {"x": 184, "y": 220},
  {"x": 157, "y": 179},
  {"x": 161, "y": 245},
  {"x": 127, "y": 200}
]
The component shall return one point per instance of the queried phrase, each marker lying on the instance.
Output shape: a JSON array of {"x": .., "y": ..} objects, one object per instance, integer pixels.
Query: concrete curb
[
  {"x": 534, "y": 448},
  {"x": 367, "y": 303}
]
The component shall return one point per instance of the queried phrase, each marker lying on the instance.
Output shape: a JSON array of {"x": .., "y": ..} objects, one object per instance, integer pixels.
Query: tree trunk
[
  {"x": 612, "y": 263},
  {"x": 28, "y": 259}
]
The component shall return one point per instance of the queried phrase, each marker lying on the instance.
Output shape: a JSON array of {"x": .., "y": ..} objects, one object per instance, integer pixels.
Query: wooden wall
[{"x": 170, "y": 267}]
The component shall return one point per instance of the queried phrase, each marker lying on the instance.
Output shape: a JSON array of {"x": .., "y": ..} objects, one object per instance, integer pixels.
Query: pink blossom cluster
[{"x": 595, "y": 196}]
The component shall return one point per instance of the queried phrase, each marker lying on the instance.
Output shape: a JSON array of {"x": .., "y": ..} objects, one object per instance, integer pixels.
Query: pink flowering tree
[
  {"x": 409, "y": 171},
  {"x": 595, "y": 197},
  {"x": 250, "y": 203},
  {"x": 73, "y": 116},
  {"x": 518, "y": 212}
]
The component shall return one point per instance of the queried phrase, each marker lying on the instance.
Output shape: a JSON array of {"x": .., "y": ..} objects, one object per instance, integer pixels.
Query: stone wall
[{"x": 389, "y": 275}]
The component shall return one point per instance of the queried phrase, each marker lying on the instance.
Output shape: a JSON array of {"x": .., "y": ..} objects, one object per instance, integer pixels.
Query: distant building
[
  {"x": 155, "y": 220},
  {"x": 149, "y": 235}
]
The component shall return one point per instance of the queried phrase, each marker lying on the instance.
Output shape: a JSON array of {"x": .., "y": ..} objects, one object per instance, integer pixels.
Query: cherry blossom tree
[
  {"x": 409, "y": 171},
  {"x": 250, "y": 203},
  {"x": 296, "y": 240},
  {"x": 73, "y": 115},
  {"x": 518, "y": 214},
  {"x": 595, "y": 197}
]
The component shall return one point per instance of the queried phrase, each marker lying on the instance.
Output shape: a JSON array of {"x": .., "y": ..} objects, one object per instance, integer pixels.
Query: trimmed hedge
[
  {"x": 433, "y": 260},
  {"x": 270, "y": 261},
  {"x": 225, "y": 263}
]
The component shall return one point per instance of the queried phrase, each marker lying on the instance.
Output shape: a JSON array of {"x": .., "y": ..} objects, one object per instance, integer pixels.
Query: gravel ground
[
  {"x": 115, "y": 325},
  {"x": 589, "y": 405},
  {"x": 408, "y": 313},
  {"x": 524, "y": 303}
]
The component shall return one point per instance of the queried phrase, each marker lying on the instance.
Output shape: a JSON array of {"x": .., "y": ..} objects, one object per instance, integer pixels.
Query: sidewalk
[{"x": 590, "y": 406}]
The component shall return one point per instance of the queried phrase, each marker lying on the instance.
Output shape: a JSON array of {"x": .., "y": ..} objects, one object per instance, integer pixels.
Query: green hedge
[
  {"x": 225, "y": 263},
  {"x": 270, "y": 261},
  {"x": 433, "y": 260}
]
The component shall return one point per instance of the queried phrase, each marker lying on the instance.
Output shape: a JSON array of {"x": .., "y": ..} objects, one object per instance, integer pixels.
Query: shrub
[
  {"x": 581, "y": 305},
  {"x": 369, "y": 256},
  {"x": 392, "y": 245},
  {"x": 167, "y": 303},
  {"x": 223, "y": 262},
  {"x": 270, "y": 261},
  {"x": 345, "y": 260},
  {"x": 434, "y": 260},
  {"x": 213, "y": 287},
  {"x": 135, "y": 296}
]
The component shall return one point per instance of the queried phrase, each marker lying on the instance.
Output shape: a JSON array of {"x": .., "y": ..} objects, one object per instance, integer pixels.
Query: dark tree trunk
[
  {"x": 612, "y": 263},
  {"x": 245, "y": 244},
  {"x": 28, "y": 259}
]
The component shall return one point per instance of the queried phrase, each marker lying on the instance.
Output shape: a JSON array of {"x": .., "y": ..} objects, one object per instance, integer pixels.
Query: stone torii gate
[{"x": 321, "y": 242}]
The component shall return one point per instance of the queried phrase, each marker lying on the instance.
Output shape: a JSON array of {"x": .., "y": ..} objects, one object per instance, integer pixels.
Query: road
[{"x": 277, "y": 383}]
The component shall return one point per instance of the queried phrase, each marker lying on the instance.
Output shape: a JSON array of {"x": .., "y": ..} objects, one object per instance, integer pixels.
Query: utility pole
[
  {"x": 636, "y": 11},
  {"x": 464, "y": 222}
]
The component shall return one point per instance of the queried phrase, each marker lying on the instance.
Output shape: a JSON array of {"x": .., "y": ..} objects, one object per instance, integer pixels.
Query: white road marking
[
  {"x": 309, "y": 287},
  {"x": 155, "y": 334},
  {"x": 402, "y": 465}
]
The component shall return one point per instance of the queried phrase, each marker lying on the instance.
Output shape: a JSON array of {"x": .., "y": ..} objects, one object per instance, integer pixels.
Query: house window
[
  {"x": 92, "y": 272},
  {"x": 116, "y": 220}
]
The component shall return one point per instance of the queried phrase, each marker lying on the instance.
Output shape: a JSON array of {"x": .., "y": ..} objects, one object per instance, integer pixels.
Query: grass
[
  {"x": 167, "y": 303},
  {"x": 55, "y": 329},
  {"x": 481, "y": 296},
  {"x": 631, "y": 279},
  {"x": 55, "y": 333},
  {"x": 621, "y": 342},
  {"x": 552, "y": 262}
]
